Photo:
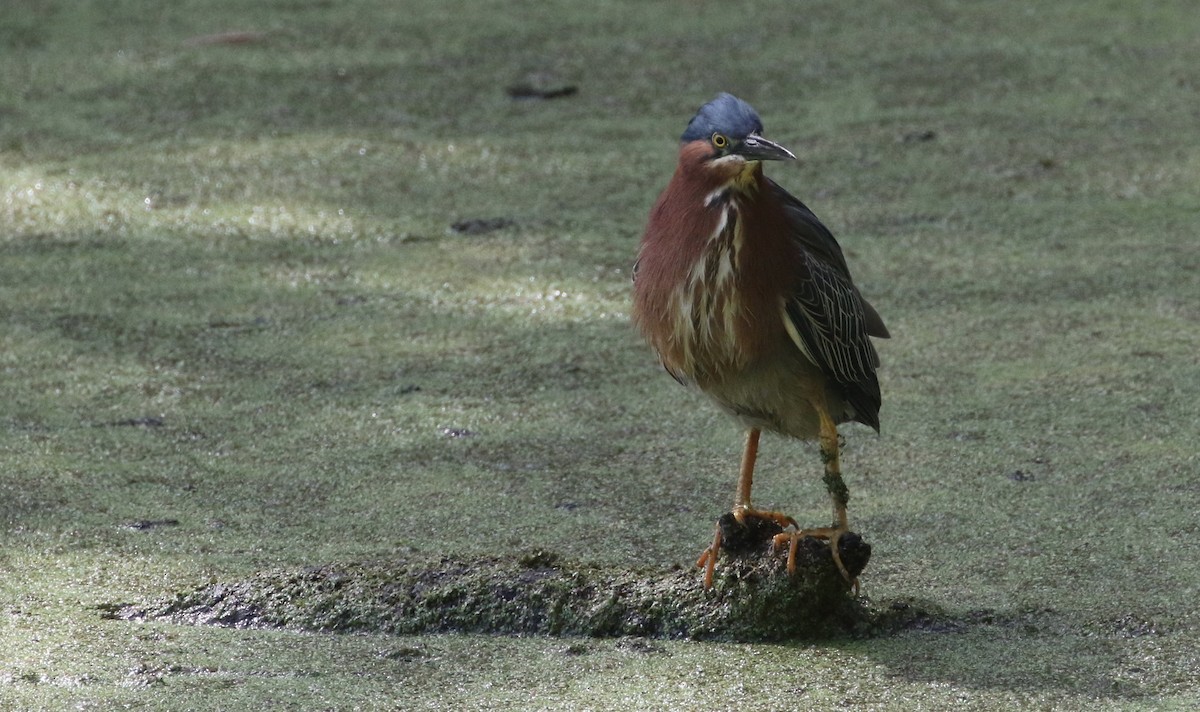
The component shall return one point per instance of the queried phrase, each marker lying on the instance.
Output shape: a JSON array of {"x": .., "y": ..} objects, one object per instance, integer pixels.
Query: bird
[{"x": 744, "y": 294}]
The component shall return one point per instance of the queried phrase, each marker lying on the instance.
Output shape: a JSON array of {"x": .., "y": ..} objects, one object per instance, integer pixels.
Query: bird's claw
[
  {"x": 708, "y": 559},
  {"x": 831, "y": 534},
  {"x": 741, "y": 512}
]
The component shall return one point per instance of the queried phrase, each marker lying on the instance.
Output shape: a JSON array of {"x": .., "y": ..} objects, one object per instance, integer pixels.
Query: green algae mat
[{"x": 318, "y": 388}]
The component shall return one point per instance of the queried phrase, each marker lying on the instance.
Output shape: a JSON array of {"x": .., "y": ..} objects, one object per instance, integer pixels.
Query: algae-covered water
[{"x": 292, "y": 287}]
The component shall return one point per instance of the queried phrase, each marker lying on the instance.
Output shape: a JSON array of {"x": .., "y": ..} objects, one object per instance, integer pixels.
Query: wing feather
[{"x": 827, "y": 318}]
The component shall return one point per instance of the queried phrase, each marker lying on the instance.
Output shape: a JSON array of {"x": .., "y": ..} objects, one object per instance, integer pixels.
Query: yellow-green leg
[{"x": 839, "y": 494}]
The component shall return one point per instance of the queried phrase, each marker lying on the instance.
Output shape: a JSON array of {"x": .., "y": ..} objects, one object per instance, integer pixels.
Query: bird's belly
[{"x": 777, "y": 394}]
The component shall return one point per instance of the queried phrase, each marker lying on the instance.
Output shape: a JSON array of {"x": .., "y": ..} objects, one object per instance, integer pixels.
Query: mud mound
[{"x": 752, "y": 599}]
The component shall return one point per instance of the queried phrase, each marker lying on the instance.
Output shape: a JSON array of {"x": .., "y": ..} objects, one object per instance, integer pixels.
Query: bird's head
[{"x": 727, "y": 133}]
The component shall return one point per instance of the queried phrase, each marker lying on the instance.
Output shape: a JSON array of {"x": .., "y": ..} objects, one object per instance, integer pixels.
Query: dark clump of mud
[{"x": 753, "y": 598}]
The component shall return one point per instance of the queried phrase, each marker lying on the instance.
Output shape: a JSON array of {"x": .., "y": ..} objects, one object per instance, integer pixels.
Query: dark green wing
[{"x": 827, "y": 317}]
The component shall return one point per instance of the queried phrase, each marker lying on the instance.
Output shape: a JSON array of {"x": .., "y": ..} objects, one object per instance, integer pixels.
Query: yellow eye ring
[{"x": 719, "y": 141}]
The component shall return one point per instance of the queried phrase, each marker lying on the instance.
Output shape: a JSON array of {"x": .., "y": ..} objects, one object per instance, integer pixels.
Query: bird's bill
[{"x": 757, "y": 148}]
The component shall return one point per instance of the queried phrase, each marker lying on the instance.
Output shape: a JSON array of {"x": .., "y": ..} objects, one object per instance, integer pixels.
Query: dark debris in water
[
  {"x": 143, "y": 525},
  {"x": 527, "y": 91},
  {"x": 480, "y": 226},
  {"x": 458, "y": 433},
  {"x": 919, "y": 136},
  {"x": 147, "y": 421}
]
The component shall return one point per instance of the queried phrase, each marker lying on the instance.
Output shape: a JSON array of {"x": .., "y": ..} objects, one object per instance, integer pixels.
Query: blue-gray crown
[{"x": 726, "y": 114}]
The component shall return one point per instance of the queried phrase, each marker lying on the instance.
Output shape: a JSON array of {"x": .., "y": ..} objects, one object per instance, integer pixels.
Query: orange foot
[
  {"x": 831, "y": 534},
  {"x": 708, "y": 558}
]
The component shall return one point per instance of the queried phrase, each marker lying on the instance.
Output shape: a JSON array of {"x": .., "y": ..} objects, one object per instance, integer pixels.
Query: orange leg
[{"x": 741, "y": 507}]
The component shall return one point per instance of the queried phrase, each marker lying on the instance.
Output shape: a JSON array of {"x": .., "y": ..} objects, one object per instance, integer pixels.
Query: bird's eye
[{"x": 719, "y": 141}]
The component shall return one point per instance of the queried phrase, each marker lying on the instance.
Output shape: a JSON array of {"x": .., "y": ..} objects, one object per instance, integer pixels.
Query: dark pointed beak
[{"x": 757, "y": 148}]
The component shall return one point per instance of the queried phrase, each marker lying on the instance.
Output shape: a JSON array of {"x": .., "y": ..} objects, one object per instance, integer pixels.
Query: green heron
[{"x": 746, "y": 295}]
